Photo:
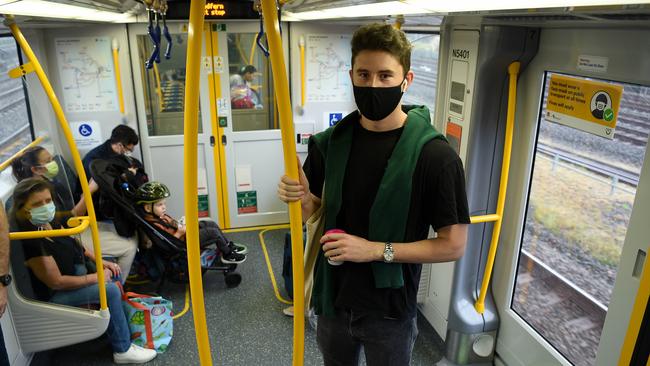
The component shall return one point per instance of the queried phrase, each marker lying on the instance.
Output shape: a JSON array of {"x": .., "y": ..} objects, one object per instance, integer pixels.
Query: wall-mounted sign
[
  {"x": 588, "y": 105},
  {"x": 86, "y": 134},
  {"x": 246, "y": 202}
]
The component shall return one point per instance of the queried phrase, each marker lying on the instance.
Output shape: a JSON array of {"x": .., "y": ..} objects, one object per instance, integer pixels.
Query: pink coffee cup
[{"x": 334, "y": 231}]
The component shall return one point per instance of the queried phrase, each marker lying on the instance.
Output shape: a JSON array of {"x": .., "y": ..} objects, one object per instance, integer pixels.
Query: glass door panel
[{"x": 579, "y": 205}]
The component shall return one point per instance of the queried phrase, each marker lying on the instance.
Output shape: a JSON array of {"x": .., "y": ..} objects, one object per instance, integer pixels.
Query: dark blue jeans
[
  {"x": 385, "y": 341},
  {"x": 118, "y": 328}
]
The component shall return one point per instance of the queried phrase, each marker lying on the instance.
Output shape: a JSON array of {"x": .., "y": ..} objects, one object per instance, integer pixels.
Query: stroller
[{"x": 117, "y": 188}]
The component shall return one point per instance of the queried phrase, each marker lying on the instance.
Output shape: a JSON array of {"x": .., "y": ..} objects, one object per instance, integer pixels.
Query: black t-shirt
[
  {"x": 438, "y": 199},
  {"x": 66, "y": 253}
]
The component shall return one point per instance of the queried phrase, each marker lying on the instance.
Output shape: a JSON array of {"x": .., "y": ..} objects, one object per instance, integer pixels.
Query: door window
[
  {"x": 579, "y": 205},
  {"x": 164, "y": 87},
  {"x": 424, "y": 63},
  {"x": 251, "y": 94}
]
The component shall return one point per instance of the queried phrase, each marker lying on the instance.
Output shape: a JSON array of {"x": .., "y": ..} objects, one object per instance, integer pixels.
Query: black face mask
[{"x": 377, "y": 103}]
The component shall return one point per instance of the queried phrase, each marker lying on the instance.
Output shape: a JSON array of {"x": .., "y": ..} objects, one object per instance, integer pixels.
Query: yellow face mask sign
[{"x": 588, "y": 105}]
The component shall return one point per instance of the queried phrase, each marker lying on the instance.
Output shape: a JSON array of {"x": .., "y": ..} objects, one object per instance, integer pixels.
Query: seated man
[
  {"x": 152, "y": 197},
  {"x": 118, "y": 239},
  {"x": 242, "y": 93}
]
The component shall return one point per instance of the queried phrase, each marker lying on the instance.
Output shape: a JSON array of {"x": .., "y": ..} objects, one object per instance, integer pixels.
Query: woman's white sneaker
[{"x": 135, "y": 354}]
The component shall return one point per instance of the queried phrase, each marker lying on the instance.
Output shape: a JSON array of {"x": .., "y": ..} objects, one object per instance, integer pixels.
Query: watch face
[{"x": 388, "y": 254}]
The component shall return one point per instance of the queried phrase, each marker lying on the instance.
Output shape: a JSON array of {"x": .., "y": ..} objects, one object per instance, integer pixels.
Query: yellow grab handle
[
  {"x": 191, "y": 117},
  {"x": 513, "y": 71},
  {"x": 76, "y": 158},
  {"x": 118, "y": 74},
  {"x": 77, "y": 225},
  {"x": 272, "y": 29},
  {"x": 302, "y": 71}
]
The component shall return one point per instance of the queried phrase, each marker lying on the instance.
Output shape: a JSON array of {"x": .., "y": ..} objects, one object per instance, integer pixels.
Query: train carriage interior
[{"x": 547, "y": 104}]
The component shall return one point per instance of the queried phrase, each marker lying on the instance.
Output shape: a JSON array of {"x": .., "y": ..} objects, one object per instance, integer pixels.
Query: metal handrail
[
  {"x": 76, "y": 158},
  {"x": 8, "y": 162},
  {"x": 272, "y": 27}
]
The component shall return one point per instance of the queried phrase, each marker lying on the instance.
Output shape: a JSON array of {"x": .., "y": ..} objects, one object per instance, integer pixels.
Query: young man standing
[{"x": 386, "y": 176}]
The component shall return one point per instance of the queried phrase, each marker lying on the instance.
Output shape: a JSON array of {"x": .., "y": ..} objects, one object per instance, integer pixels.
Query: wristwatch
[
  {"x": 5, "y": 280},
  {"x": 388, "y": 253}
]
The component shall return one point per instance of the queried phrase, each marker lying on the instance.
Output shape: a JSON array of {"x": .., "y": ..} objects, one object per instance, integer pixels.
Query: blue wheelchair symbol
[
  {"x": 85, "y": 130},
  {"x": 335, "y": 117}
]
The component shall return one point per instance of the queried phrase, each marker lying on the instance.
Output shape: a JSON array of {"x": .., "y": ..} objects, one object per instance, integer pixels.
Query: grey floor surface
[{"x": 245, "y": 324}]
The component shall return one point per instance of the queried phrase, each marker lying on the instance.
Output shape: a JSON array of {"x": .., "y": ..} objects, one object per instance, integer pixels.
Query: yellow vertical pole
[
  {"x": 76, "y": 158},
  {"x": 301, "y": 43},
  {"x": 118, "y": 74},
  {"x": 191, "y": 115},
  {"x": 513, "y": 71},
  {"x": 272, "y": 28},
  {"x": 638, "y": 311}
]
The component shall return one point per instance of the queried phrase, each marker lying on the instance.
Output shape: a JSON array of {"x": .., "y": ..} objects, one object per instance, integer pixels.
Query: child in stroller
[
  {"x": 166, "y": 255},
  {"x": 151, "y": 198}
]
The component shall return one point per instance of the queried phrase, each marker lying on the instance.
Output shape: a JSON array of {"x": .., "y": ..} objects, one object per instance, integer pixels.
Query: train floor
[{"x": 246, "y": 325}]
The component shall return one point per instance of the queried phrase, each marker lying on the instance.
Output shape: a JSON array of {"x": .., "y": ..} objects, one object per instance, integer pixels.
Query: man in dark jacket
[{"x": 118, "y": 238}]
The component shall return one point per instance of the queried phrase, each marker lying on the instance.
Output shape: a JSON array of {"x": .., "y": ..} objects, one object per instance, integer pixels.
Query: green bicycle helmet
[{"x": 151, "y": 192}]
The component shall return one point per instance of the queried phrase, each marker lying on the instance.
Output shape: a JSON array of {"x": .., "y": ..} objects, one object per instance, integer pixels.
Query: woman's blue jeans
[{"x": 118, "y": 328}]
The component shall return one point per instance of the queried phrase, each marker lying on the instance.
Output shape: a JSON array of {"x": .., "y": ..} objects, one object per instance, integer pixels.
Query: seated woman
[
  {"x": 152, "y": 197},
  {"x": 58, "y": 272},
  {"x": 37, "y": 162}
]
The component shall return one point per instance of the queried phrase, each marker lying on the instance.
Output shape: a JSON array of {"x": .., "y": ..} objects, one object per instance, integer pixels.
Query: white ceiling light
[
  {"x": 406, "y": 7},
  {"x": 47, "y": 9},
  {"x": 481, "y": 5},
  {"x": 356, "y": 11}
]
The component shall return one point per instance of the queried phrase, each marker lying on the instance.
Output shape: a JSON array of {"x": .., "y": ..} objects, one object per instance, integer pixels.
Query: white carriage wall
[{"x": 43, "y": 42}]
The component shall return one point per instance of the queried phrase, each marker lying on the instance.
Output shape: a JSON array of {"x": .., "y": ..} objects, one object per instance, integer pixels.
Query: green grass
[{"x": 581, "y": 211}]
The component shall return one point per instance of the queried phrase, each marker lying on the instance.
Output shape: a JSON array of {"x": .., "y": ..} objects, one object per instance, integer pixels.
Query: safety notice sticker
[{"x": 588, "y": 105}]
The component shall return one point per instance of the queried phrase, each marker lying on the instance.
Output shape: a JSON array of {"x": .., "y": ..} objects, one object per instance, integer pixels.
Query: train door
[
  {"x": 160, "y": 92},
  {"x": 248, "y": 126},
  {"x": 575, "y": 232}
]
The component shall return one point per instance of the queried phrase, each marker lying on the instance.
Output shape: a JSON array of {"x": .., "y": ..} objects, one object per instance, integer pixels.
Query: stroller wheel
[{"x": 232, "y": 279}]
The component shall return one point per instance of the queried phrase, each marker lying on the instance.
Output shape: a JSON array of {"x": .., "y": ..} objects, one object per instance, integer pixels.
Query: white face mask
[{"x": 42, "y": 215}]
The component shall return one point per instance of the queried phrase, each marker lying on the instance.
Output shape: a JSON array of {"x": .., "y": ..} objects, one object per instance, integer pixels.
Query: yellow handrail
[
  {"x": 159, "y": 91},
  {"x": 8, "y": 162},
  {"x": 77, "y": 225},
  {"x": 269, "y": 267},
  {"x": 633, "y": 328},
  {"x": 513, "y": 71},
  {"x": 272, "y": 29},
  {"x": 483, "y": 218},
  {"x": 118, "y": 75},
  {"x": 190, "y": 138},
  {"x": 252, "y": 53},
  {"x": 76, "y": 158},
  {"x": 301, "y": 43}
]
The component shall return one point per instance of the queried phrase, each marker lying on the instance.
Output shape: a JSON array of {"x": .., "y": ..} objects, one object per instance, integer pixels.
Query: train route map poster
[
  {"x": 87, "y": 74},
  {"x": 327, "y": 68}
]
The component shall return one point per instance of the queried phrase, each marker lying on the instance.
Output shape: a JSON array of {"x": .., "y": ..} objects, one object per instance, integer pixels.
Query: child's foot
[
  {"x": 238, "y": 248},
  {"x": 233, "y": 258}
]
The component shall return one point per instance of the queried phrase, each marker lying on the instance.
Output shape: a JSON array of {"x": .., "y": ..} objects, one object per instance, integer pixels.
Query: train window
[
  {"x": 15, "y": 127},
  {"x": 424, "y": 63},
  {"x": 251, "y": 93},
  {"x": 580, "y": 200},
  {"x": 164, "y": 87}
]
